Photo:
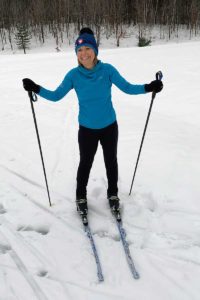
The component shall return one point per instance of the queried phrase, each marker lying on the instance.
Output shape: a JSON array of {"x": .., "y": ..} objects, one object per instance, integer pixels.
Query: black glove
[
  {"x": 155, "y": 86},
  {"x": 30, "y": 86}
]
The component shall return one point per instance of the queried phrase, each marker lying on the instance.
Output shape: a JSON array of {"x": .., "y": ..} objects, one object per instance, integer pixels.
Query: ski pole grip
[{"x": 159, "y": 75}]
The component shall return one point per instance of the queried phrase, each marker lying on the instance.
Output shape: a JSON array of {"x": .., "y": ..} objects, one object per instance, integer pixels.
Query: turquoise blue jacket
[{"x": 93, "y": 89}]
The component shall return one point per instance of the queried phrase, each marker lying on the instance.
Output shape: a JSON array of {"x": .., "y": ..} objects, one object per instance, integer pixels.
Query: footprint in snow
[
  {"x": 42, "y": 229},
  {"x": 2, "y": 209},
  {"x": 42, "y": 273},
  {"x": 4, "y": 248},
  {"x": 150, "y": 203},
  {"x": 96, "y": 192}
]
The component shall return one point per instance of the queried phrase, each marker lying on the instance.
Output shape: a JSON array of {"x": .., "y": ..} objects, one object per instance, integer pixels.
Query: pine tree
[{"x": 22, "y": 38}]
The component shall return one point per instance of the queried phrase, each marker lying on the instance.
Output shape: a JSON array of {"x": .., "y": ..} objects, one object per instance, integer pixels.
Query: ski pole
[
  {"x": 33, "y": 98},
  {"x": 159, "y": 76}
]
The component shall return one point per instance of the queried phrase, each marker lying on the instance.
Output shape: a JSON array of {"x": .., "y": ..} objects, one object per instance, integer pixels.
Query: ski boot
[
  {"x": 81, "y": 204},
  {"x": 115, "y": 206}
]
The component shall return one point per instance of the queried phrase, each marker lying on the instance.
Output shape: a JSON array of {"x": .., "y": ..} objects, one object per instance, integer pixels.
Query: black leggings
[{"x": 88, "y": 142}]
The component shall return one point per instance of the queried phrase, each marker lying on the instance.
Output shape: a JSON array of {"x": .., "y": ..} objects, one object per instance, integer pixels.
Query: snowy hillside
[{"x": 44, "y": 253}]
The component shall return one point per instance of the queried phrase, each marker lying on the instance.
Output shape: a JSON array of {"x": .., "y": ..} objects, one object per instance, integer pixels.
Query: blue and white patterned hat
[{"x": 86, "y": 39}]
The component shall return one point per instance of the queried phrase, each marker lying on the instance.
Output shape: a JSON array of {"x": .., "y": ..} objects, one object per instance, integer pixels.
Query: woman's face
[{"x": 86, "y": 57}]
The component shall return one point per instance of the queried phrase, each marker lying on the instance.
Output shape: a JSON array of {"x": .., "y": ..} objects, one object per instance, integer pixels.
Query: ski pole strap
[
  {"x": 159, "y": 75},
  {"x": 32, "y": 96}
]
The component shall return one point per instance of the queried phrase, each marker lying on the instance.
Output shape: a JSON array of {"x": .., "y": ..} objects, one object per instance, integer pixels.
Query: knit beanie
[{"x": 86, "y": 38}]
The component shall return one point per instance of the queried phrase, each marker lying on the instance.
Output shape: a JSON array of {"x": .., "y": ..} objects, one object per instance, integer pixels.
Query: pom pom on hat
[
  {"x": 86, "y": 38},
  {"x": 86, "y": 30}
]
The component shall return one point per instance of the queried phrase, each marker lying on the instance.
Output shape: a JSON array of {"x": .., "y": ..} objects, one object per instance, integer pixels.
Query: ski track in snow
[
  {"x": 41, "y": 263},
  {"x": 7, "y": 248},
  {"x": 44, "y": 253}
]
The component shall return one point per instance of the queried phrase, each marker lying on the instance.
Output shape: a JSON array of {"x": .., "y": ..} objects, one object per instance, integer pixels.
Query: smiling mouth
[{"x": 85, "y": 58}]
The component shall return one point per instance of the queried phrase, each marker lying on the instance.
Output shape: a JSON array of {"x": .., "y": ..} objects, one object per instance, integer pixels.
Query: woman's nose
[{"x": 84, "y": 51}]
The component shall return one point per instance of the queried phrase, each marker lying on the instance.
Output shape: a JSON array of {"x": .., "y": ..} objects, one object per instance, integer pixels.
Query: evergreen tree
[{"x": 22, "y": 38}]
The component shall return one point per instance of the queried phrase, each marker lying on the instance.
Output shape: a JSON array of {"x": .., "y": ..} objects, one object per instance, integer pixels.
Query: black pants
[{"x": 88, "y": 142}]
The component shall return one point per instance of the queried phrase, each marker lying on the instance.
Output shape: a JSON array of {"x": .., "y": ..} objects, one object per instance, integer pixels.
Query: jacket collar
[{"x": 90, "y": 71}]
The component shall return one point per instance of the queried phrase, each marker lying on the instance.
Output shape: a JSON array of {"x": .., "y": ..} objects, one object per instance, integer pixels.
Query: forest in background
[{"x": 40, "y": 19}]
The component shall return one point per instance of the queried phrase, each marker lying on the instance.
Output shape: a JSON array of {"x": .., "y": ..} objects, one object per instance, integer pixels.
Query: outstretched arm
[
  {"x": 134, "y": 89},
  {"x": 125, "y": 86},
  {"x": 55, "y": 95}
]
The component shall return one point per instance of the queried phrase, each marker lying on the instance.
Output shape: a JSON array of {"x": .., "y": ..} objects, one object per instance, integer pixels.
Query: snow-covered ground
[{"x": 44, "y": 253}]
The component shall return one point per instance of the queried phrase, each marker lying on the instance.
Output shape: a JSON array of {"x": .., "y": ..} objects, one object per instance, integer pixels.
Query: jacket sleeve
[
  {"x": 60, "y": 91},
  {"x": 123, "y": 85}
]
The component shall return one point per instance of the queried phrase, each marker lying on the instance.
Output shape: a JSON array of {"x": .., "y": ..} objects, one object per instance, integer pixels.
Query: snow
[{"x": 44, "y": 253}]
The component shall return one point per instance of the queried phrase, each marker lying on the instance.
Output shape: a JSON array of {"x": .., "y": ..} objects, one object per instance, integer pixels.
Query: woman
[{"x": 92, "y": 81}]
